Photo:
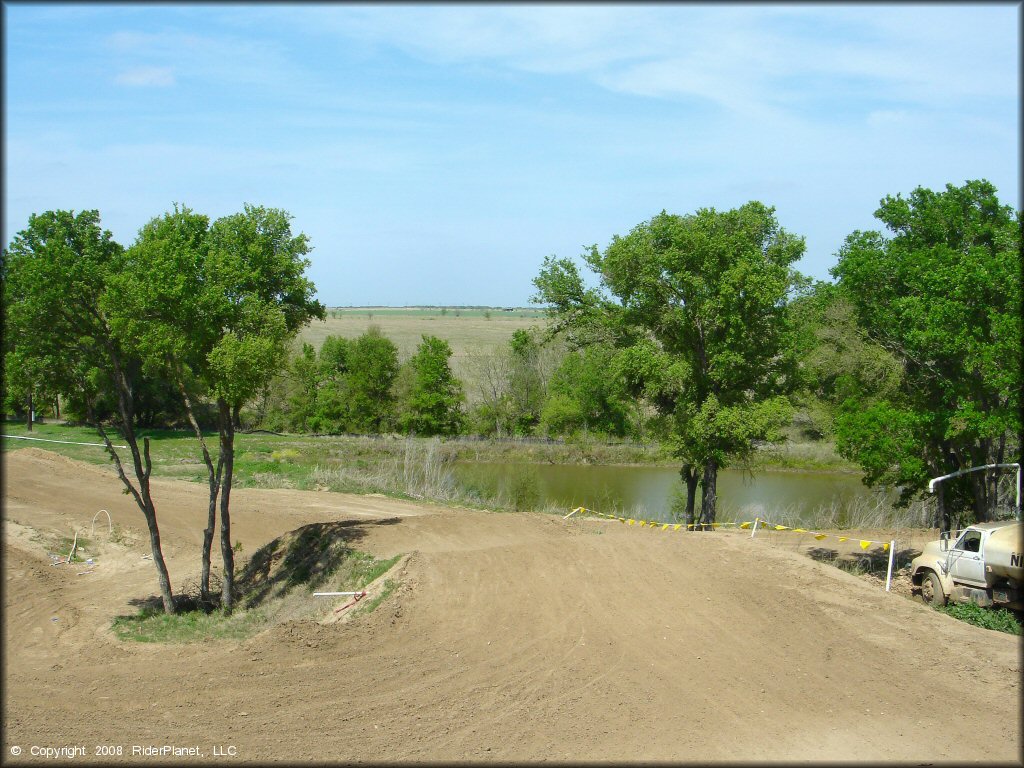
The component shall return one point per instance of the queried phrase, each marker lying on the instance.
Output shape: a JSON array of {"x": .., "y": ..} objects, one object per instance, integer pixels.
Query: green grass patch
[
  {"x": 999, "y": 619},
  {"x": 152, "y": 625},
  {"x": 364, "y": 568},
  {"x": 370, "y": 606}
]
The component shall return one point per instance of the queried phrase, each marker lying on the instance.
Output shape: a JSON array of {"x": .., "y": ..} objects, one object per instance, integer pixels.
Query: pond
[{"x": 647, "y": 492}]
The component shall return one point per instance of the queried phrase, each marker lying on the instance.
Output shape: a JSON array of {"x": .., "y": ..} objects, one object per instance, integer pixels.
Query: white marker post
[
  {"x": 756, "y": 521},
  {"x": 892, "y": 556}
]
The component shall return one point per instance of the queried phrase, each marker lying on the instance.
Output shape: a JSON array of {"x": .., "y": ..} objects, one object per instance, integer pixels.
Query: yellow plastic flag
[
  {"x": 643, "y": 523},
  {"x": 820, "y": 536},
  {"x": 885, "y": 547},
  {"x": 844, "y": 538},
  {"x": 746, "y": 524},
  {"x": 781, "y": 528},
  {"x": 800, "y": 530},
  {"x": 865, "y": 544},
  {"x": 664, "y": 527},
  {"x": 677, "y": 526},
  {"x": 630, "y": 521}
]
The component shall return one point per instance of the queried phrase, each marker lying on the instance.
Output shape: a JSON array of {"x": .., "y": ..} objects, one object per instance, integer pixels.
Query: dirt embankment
[{"x": 512, "y": 638}]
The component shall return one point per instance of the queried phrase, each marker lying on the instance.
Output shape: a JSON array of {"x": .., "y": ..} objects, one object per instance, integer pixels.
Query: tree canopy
[
  {"x": 941, "y": 293},
  {"x": 702, "y": 296}
]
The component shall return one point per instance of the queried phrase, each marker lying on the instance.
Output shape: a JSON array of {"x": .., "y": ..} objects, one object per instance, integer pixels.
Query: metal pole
[{"x": 892, "y": 555}]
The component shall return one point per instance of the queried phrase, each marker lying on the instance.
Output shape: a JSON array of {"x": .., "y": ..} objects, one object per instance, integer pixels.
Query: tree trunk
[
  {"x": 211, "y": 526},
  {"x": 145, "y": 502},
  {"x": 710, "y": 497},
  {"x": 213, "y": 478},
  {"x": 163, "y": 577},
  {"x": 977, "y": 480},
  {"x": 689, "y": 476},
  {"x": 941, "y": 513},
  {"x": 227, "y": 452},
  {"x": 56, "y": 407},
  {"x": 126, "y": 410},
  {"x": 29, "y": 412}
]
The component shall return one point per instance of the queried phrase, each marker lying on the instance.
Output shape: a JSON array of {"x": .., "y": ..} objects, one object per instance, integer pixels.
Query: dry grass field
[{"x": 470, "y": 332}]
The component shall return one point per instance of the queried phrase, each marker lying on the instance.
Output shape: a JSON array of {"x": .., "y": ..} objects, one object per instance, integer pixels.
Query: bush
[{"x": 999, "y": 619}]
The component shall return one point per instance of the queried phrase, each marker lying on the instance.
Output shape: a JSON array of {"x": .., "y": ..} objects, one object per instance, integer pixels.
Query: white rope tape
[{"x": 66, "y": 442}]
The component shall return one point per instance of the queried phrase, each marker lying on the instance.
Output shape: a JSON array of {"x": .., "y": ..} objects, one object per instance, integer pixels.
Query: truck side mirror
[{"x": 944, "y": 541}]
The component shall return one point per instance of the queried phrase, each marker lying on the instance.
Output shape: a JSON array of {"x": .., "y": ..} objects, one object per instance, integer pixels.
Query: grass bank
[
  {"x": 274, "y": 585},
  {"x": 417, "y": 468}
]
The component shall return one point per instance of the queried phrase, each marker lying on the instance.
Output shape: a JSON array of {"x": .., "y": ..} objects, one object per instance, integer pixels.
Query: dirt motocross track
[{"x": 513, "y": 638}]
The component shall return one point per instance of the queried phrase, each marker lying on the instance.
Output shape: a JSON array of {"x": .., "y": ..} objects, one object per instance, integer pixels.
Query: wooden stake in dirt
[{"x": 74, "y": 546}]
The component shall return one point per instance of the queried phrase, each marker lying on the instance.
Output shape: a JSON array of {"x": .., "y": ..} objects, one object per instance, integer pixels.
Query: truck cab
[{"x": 980, "y": 564}]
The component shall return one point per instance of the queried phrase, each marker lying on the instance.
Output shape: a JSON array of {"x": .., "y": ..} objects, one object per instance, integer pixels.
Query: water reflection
[{"x": 647, "y": 492}]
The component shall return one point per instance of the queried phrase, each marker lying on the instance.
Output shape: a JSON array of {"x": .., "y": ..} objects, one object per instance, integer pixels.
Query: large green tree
[
  {"x": 57, "y": 273},
  {"x": 164, "y": 307},
  {"x": 372, "y": 361},
  {"x": 703, "y": 296},
  {"x": 942, "y": 294},
  {"x": 434, "y": 402},
  {"x": 584, "y": 395},
  {"x": 256, "y": 268}
]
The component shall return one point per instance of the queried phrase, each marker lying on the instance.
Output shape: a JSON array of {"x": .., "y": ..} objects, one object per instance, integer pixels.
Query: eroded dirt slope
[{"x": 512, "y": 638}]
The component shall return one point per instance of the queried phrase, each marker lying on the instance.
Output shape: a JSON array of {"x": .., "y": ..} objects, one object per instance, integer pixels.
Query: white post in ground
[
  {"x": 892, "y": 555},
  {"x": 756, "y": 521}
]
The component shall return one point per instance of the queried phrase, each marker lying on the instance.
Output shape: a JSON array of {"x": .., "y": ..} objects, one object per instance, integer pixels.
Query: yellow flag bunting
[{"x": 762, "y": 524}]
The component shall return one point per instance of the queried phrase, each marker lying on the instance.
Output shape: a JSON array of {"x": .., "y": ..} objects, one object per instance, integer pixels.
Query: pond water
[{"x": 647, "y": 492}]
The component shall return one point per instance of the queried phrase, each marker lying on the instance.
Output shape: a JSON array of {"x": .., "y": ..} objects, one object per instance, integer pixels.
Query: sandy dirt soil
[{"x": 513, "y": 638}]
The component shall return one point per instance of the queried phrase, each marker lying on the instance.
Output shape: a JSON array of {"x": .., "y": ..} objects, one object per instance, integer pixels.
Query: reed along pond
[{"x": 785, "y": 496}]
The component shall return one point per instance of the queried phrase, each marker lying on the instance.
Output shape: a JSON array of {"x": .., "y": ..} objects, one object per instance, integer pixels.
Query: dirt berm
[{"x": 513, "y": 638}]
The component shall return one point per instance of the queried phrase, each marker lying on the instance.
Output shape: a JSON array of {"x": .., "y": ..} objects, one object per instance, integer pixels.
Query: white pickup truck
[{"x": 982, "y": 565}]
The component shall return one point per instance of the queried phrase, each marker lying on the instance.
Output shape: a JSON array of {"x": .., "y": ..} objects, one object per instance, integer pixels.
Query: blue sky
[{"x": 437, "y": 154}]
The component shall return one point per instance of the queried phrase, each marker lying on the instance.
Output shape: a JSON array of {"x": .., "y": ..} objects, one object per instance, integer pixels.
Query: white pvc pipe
[
  {"x": 1015, "y": 465},
  {"x": 756, "y": 521},
  {"x": 110, "y": 523},
  {"x": 66, "y": 442},
  {"x": 892, "y": 554}
]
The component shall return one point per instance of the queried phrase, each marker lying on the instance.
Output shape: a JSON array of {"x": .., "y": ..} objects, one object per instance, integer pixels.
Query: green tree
[
  {"x": 434, "y": 404},
  {"x": 941, "y": 293},
  {"x": 704, "y": 296},
  {"x": 56, "y": 273},
  {"x": 305, "y": 397},
  {"x": 837, "y": 361},
  {"x": 256, "y": 268},
  {"x": 332, "y": 400},
  {"x": 372, "y": 367},
  {"x": 162, "y": 305},
  {"x": 584, "y": 396},
  {"x": 527, "y": 386}
]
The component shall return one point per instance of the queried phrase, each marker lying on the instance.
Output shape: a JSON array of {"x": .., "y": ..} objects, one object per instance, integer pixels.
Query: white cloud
[
  {"x": 159, "y": 77},
  {"x": 748, "y": 59},
  {"x": 224, "y": 59}
]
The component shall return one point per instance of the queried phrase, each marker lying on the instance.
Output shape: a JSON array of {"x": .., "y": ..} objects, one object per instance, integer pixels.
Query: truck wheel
[{"x": 931, "y": 590}]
